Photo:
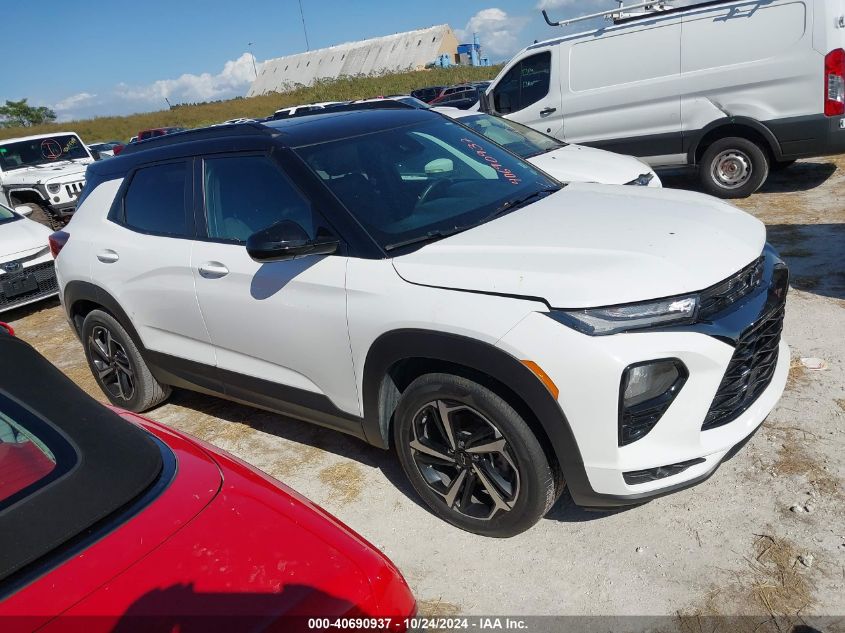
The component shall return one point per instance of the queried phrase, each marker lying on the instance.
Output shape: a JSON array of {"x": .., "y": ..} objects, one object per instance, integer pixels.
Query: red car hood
[{"x": 223, "y": 548}]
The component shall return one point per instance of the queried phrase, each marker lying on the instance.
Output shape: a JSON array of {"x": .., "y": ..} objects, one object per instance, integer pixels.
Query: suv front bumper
[{"x": 587, "y": 371}]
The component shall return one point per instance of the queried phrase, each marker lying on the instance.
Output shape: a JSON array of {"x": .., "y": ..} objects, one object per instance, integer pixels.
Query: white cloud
[
  {"x": 499, "y": 32},
  {"x": 74, "y": 101},
  {"x": 231, "y": 81}
]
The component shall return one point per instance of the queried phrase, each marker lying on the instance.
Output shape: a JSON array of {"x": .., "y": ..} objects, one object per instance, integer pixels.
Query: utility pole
[
  {"x": 304, "y": 30},
  {"x": 254, "y": 69}
]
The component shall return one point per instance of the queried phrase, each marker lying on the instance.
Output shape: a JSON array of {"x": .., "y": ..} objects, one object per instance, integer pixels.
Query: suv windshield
[
  {"x": 515, "y": 137},
  {"x": 41, "y": 151},
  {"x": 7, "y": 215},
  {"x": 424, "y": 181}
]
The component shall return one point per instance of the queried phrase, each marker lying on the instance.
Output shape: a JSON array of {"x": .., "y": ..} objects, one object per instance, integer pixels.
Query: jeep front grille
[{"x": 73, "y": 189}]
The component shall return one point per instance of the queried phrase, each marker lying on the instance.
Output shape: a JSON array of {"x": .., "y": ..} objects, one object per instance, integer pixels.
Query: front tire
[
  {"x": 733, "y": 167},
  {"x": 471, "y": 456},
  {"x": 117, "y": 365}
]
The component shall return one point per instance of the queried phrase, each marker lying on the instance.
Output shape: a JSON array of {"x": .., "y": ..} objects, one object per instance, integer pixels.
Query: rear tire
[
  {"x": 483, "y": 471},
  {"x": 117, "y": 365},
  {"x": 733, "y": 167},
  {"x": 42, "y": 216}
]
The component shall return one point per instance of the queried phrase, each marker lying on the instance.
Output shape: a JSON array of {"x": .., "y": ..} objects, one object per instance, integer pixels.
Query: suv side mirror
[{"x": 286, "y": 240}]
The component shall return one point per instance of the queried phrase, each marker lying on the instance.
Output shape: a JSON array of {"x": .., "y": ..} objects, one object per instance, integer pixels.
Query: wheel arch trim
[
  {"x": 77, "y": 291},
  {"x": 740, "y": 121},
  {"x": 406, "y": 344}
]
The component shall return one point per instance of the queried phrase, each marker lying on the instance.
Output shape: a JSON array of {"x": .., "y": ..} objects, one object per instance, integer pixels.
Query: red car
[{"x": 112, "y": 522}]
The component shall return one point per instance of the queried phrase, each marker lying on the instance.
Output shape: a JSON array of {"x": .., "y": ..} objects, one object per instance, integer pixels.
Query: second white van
[{"x": 733, "y": 88}]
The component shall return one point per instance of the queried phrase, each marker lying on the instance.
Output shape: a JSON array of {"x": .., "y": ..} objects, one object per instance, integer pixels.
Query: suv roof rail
[
  {"x": 376, "y": 104},
  {"x": 199, "y": 134},
  {"x": 650, "y": 7}
]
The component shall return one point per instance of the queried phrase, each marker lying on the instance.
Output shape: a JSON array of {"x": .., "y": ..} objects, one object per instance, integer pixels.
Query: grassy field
[{"x": 123, "y": 127}]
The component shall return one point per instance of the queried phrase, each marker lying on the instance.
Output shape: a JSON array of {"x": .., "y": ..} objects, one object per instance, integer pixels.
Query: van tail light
[
  {"x": 834, "y": 83},
  {"x": 57, "y": 242}
]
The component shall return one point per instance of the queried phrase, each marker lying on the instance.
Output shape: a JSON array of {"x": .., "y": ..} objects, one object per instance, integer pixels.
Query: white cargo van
[{"x": 735, "y": 88}]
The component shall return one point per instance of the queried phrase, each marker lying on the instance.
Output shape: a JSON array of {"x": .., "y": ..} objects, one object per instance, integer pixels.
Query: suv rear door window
[{"x": 155, "y": 201}]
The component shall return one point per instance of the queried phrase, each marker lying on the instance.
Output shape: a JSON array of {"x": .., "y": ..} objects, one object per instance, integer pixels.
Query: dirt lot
[{"x": 732, "y": 545}]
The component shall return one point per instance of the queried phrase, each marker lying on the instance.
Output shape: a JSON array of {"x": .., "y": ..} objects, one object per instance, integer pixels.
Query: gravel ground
[{"x": 764, "y": 535}]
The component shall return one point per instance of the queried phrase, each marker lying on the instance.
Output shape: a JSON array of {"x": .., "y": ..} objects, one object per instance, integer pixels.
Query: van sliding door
[{"x": 621, "y": 90}]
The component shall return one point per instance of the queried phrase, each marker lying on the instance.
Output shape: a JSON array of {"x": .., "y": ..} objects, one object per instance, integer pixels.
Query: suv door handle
[
  {"x": 213, "y": 270},
  {"x": 546, "y": 111},
  {"x": 108, "y": 256}
]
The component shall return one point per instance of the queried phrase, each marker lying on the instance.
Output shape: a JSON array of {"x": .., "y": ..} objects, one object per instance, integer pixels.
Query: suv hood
[
  {"x": 595, "y": 245},
  {"x": 576, "y": 163},
  {"x": 66, "y": 171}
]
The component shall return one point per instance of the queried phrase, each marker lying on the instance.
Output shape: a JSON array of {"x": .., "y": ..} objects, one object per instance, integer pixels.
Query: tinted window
[
  {"x": 244, "y": 194},
  {"x": 524, "y": 84},
  {"x": 155, "y": 200},
  {"x": 403, "y": 183}
]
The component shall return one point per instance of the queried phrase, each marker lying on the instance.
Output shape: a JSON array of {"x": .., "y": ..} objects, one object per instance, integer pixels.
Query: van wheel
[
  {"x": 117, "y": 365},
  {"x": 42, "y": 216},
  {"x": 471, "y": 456},
  {"x": 733, "y": 168}
]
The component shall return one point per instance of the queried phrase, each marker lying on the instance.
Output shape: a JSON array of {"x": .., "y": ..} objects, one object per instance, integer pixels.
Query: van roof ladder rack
[{"x": 614, "y": 14}]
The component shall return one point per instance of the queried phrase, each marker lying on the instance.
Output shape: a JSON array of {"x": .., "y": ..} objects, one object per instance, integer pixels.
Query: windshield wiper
[
  {"x": 512, "y": 205},
  {"x": 431, "y": 236}
]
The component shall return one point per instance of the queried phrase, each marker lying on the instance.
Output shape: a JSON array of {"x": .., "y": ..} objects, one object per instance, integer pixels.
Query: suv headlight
[
  {"x": 634, "y": 316},
  {"x": 54, "y": 188}
]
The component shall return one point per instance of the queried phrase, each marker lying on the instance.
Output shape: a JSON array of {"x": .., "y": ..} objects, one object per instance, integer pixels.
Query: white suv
[{"x": 393, "y": 275}]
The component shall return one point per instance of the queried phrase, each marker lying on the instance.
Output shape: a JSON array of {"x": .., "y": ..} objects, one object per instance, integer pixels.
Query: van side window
[
  {"x": 155, "y": 200},
  {"x": 244, "y": 194},
  {"x": 524, "y": 84}
]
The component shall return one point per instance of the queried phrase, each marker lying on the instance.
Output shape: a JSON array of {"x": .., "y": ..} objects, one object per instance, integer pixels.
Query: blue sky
[{"x": 97, "y": 57}]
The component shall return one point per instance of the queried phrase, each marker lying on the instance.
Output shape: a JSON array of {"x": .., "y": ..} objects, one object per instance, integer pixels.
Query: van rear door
[{"x": 529, "y": 92}]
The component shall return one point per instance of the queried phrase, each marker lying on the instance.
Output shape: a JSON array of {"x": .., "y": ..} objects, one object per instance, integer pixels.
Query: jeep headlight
[
  {"x": 54, "y": 188},
  {"x": 634, "y": 316}
]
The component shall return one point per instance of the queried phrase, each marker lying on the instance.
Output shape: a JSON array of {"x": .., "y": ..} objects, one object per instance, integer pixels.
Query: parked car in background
[
  {"x": 45, "y": 172},
  {"x": 428, "y": 94},
  {"x": 125, "y": 524},
  {"x": 566, "y": 162},
  {"x": 507, "y": 335},
  {"x": 655, "y": 86},
  {"x": 27, "y": 272},
  {"x": 103, "y": 150},
  {"x": 144, "y": 135},
  {"x": 462, "y": 97}
]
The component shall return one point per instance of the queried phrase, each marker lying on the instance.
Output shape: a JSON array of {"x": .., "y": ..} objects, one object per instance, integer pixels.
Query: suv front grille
[
  {"x": 44, "y": 273},
  {"x": 725, "y": 293},
  {"x": 749, "y": 372}
]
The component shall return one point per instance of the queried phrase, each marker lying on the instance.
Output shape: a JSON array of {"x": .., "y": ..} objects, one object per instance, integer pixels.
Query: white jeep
[{"x": 44, "y": 172}]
